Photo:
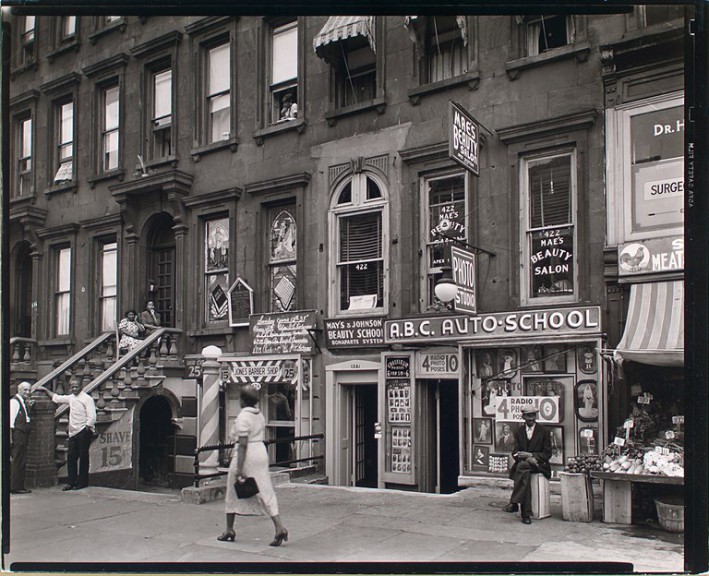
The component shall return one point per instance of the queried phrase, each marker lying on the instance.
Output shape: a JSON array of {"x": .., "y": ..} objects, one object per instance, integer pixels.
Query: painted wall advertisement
[{"x": 649, "y": 256}]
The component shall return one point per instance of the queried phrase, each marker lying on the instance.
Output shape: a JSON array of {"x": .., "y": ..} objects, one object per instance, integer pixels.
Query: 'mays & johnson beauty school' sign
[{"x": 581, "y": 320}]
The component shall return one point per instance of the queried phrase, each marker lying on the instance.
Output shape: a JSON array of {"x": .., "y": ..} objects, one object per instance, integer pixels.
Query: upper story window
[
  {"x": 358, "y": 217},
  {"x": 218, "y": 93},
  {"x": 442, "y": 42},
  {"x": 215, "y": 110},
  {"x": 108, "y": 283},
  {"x": 216, "y": 269},
  {"x": 107, "y": 20},
  {"x": 23, "y": 181},
  {"x": 446, "y": 209},
  {"x": 110, "y": 127},
  {"x": 62, "y": 291},
  {"x": 549, "y": 252},
  {"x": 646, "y": 183},
  {"x": 546, "y": 32},
  {"x": 161, "y": 113},
  {"x": 64, "y": 154},
  {"x": 283, "y": 85},
  {"x": 283, "y": 252},
  {"x": 349, "y": 45},
  {"x": 28, "y": 44},
  {"x": 104, "y": 25},
  {"x": 67, "y": 28}
]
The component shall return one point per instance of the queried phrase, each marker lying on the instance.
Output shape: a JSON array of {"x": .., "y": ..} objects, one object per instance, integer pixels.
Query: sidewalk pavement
[{"x": 326, "y": 524}]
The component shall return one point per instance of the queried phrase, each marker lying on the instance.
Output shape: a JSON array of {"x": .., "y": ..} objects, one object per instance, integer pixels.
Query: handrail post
[
  {"x": 209, "y": 412},
  {"x": 196, "y": 468}
]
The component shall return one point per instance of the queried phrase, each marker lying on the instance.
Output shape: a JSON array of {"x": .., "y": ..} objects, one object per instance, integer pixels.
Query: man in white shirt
[
  {"x": 82, "y": 420},
  {"x": 20, "y": 427}
]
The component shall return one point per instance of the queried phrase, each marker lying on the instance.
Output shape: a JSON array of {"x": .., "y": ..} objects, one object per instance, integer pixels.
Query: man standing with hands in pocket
[
  {"x": 531, "y": 454},
  {"x": 20, "y": 427},
  {"x": 82, "y": 420}
]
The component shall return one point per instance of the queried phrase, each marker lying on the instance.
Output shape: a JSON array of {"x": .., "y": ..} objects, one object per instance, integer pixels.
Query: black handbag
[{"x": 247, "y": 488}]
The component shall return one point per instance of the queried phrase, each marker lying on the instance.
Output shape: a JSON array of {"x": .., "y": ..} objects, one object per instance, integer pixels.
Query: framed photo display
[
  {"x": 482, "y": 430},
  {"x": 486, "y": 363},
  {"x": 531, "y": 359},
  {"x": 586, "y": 400},
  {"x": 554, "y": 358},
  {"x": 505, "y": 436},
  {"x": 481, "y": 457},
  {"x": 587, "y": 359},
  {"x": 509, "y": 361},
  {"x": 557, "y": 445},
  {"x": 588, "y": 440}
]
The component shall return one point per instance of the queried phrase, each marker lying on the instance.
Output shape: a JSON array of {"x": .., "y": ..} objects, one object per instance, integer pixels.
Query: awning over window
[
  {"x": 654, "y": 329},
  {"x": 338, "y": 28}
]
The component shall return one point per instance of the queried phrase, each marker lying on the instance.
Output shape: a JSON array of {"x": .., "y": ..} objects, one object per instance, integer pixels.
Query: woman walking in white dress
[{"x": 251, "y": 459}]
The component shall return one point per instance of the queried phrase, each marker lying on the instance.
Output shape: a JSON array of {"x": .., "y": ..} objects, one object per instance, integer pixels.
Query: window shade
[
  {"x": 549, "y": 192},
  {"x": 360, "y": 237}
]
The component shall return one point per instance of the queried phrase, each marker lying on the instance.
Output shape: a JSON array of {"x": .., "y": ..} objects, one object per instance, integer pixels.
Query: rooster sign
[{"x": 634, "y": 258}]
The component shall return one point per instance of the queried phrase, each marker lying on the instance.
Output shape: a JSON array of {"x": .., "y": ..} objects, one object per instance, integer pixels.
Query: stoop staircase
[{"x": 115, "y": 383}]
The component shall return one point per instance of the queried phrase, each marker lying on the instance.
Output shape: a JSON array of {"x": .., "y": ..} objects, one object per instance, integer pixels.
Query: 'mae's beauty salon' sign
[
  {"x": 553, "y": 322},
  {"x": 463, "y": 139}
]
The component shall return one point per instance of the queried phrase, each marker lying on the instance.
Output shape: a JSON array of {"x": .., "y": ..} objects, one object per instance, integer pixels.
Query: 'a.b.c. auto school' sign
[{"x": 580, "y": 320}]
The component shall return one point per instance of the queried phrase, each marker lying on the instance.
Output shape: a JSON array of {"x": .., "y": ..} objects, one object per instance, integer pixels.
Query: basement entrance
[{"x": 156, "y": 449}]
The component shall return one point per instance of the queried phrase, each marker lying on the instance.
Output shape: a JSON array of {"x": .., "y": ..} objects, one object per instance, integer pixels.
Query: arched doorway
[
  {"x": 21, "y": 311},
  {"x": 161, "y": 268},
  {"x": 156, "y": 450}
]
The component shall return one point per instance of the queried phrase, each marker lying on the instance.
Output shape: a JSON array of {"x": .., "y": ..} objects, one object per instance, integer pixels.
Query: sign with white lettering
[
  {"x": 354, "y": 332},
  {"x": 552, "y": 262},
  {"x": 509, "y": 408},
  {"x": 463, "y": 267},
  {"x": 649, "y": 256},
  {"x": 554, "y": 322},
  {"x": 112, "y": 449},
  {"x": 286, "y": 333},
  {"x": 463, "y": 139}
]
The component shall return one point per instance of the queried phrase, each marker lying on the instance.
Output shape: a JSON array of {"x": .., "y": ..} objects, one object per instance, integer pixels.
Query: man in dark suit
[
  {"x": 150, "y": 318},
  {"x": 20, "y": 405},
  {"x": 531, "y": 455}
]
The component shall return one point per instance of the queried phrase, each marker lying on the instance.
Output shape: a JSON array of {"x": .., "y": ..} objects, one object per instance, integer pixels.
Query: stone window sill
[
  {"x": 231, "y": 143},
  {"x": 62, "y": 187},
  {"x": 297, "y": 124},
  {"x": 378, "y": 104},
  {"x": 470, "y": 78},
  {"x": 68, "y": 47},
  {"x": 580, "y": 51},
  {"x": 117, "y": 174}
]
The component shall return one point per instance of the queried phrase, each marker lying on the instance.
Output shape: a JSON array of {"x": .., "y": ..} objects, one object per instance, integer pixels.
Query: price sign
[
  {"x": 586, "y": 433},
  {"x": 670, "y": 434},
  {"x": 628, "y": 424},
  {"x": 677, "y": 419},
  {"x": 509, "y": 408},
  {"x": 618, "y": 441}
]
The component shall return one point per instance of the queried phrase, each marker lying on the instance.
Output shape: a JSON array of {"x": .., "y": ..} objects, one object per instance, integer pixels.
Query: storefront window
[{"x": 562, "y": 380}]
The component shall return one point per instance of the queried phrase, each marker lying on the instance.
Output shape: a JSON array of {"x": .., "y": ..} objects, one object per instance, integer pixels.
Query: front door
[
  {"x": 156, "y": 451},
  {"x": 365, "y": 452},
  {"x": 163, "y": 270}
]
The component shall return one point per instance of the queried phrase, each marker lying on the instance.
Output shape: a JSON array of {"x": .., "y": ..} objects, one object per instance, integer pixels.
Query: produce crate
[
  {"x": 576, "y": 497},
  {"x": 670, "y": 513}
]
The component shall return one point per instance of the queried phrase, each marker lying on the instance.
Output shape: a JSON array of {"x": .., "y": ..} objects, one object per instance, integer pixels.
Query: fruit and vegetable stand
[{"x": 618, "y": 493}]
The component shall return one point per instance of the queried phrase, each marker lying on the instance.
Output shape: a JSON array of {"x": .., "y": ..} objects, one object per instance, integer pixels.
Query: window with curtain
[
  {"x": 161, "y": 118},
  {"x": 660, "y": 14},
  {"x": 283, "y": 252},
  {"x": 108, "y": 282},
  {"x": 359, "y": 216},
  {"x": 445, "y": 49},
  {"x": 218, "y": 92},
  {"x": 216, "y": 269},
  {"x": 550, "y": 226},
  {"x": 62, "y": 292},
  {"x": 64, "y": 159},
  {"x": 110, "y": 128},
  {"x": 27, "y": 40},
  {"x": 284, "y": 72},
  {"x": 546, "y": 32},
  {"x": 446, "y": 217},
  {"x": 24, "y": 157},
  {"x": 355, "y": 72}
]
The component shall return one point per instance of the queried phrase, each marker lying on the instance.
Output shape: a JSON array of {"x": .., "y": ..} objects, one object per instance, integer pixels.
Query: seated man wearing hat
[{"x": 531, "y": 455}]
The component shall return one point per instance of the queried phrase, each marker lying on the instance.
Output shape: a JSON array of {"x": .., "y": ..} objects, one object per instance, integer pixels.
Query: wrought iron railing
[{"x": 224, "y": 447}]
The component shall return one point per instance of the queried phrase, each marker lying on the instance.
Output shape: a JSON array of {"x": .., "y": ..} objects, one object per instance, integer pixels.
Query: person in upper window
[{"x": 289, "y": 109}]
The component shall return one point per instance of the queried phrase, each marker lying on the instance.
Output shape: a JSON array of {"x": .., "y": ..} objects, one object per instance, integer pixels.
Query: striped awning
[
  {"x": 338, "y": 28},
  {"x": 654, "y": 328}
]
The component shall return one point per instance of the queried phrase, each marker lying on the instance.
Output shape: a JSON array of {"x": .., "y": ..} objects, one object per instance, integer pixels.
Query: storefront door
[
  {"x": 438, "y": 403},
  {"x": 365, "y": 452}
]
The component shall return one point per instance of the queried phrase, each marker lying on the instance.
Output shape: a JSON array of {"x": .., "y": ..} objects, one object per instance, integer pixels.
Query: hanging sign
[
  {"x": 240, "y": 298},
  {"x": 463, "y": 267},
  {"x": 353, "y": 332},
  {"x": 463, "y": 139}
]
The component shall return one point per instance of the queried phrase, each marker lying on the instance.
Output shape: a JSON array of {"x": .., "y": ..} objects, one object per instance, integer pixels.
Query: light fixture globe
[{"x": 445, "y": 288}]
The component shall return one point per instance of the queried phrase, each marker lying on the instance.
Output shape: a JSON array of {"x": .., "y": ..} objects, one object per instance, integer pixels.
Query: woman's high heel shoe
[
  {"x": 281, "y": 536},
  {"x": 227, "y": 536}
]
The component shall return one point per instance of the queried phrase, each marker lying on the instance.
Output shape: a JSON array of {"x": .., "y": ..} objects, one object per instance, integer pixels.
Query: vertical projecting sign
[
  {"x": 463, "y": 267},
  {"x": 463, "y": 139}
]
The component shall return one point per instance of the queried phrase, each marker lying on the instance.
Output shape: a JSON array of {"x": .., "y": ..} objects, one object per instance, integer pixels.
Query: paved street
[{"x": 326, "y": 525}]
